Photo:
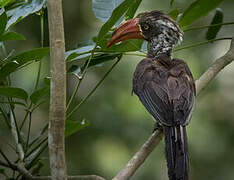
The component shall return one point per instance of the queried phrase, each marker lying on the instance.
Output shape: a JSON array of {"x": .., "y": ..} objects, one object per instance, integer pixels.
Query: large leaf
[
  {"x": 5, "y": 2},
  {"x": 3, "y": 20},
  {"x": 132, "y": 10},
  {"x": 12, "y": 92},
  {"x": 116, "y": 15},
  {"x": 96, "y": 60},
  {"x": 213, "y": 30},
  {"x": 39, "y": 94},
  {"x": 11, "y": 36},
  {"x": 103, "y": 8},
  {"x": 23, "y": 11},
  {"x": 198, "y": 9},
  {"x": 21, "y": 59},
  {"x": 75, "y": 126},
  {"x": 81, "y": 52}
]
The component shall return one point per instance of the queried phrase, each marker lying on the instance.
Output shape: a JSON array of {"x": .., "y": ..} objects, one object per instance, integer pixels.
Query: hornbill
[{"x": 164, "y": 85}]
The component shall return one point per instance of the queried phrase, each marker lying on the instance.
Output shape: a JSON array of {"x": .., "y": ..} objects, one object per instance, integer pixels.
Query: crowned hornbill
[{"x": 165, "y": 86}]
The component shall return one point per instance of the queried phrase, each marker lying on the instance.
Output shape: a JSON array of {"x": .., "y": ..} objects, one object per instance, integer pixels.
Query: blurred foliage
[{"x": 111, "y": 124}]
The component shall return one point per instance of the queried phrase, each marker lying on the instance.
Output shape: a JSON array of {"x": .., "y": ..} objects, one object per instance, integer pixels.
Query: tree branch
[
  {"x": 156, "y": 137},
  {"x": 215, "y": 68},
  {"x": 140, "y": 156},
  {"x": 58, "y": 91}
]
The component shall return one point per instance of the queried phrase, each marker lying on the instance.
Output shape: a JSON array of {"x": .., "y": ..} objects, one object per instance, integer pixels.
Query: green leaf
[
  {"x": 19, "y": 13},
  {"x": 81, "y": 52},
  {"x": 21, "y": 59},
  {"x": 15, "y": 102},
  {"x": 31, "y": 55},
  {"x": 116, "y": 15},
  {"x": 132, "y": 10},
  {"x": 39, "y": 94},
  {"x": 174, "y": 14},
  {"x": 11, "y": 36},
  {"x": 12, "y": 92},
  {"x": 196, "y": 10},
  {"x": 102, "y": 9},
  {"x": 213, "y": 30},
  {"x": 75, "y": 126},
  {"x": 101, "y": 58},
  {"x": 4, "y": 2},
  {"x": 3, "y": 20}
]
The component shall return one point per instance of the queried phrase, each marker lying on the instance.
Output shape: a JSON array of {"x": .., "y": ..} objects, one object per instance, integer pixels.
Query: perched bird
[{"x": 164, "y": 85}]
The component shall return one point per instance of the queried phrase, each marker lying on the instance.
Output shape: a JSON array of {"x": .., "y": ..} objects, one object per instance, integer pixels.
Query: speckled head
[
  {"x": 159, "y": 29},
  {"x": 154, "y": 23}
]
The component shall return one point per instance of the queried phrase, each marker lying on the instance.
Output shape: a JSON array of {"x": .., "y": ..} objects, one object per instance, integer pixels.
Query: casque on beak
[{"x": 128, "y": 30}]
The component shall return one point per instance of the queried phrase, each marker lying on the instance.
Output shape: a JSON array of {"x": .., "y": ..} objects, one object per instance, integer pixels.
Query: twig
[
  {"x": 16, "y": 135},
  {"x": 94, "y": 89},
  {"x": 202, "y": 43},
  {"x": 81, "y": 77},
  {"x": 156, "y": 137},
  {"x": 4, "y": 164},
  {"x": 56, "y": 139},
  {"x": 207, "y": 26}
]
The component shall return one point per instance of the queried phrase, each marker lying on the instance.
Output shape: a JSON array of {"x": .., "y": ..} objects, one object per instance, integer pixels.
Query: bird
[{"x": 164, "y": 85}]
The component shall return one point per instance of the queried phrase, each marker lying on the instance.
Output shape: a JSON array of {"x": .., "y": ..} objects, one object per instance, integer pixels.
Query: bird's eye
[{"x": 145, "y": 27}]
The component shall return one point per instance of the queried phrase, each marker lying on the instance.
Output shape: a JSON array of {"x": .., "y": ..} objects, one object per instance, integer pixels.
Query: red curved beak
[{"x": 128, "y": 30}]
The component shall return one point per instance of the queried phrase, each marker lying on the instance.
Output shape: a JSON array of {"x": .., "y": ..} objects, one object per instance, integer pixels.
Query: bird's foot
[{"x": 157, "y": 126}]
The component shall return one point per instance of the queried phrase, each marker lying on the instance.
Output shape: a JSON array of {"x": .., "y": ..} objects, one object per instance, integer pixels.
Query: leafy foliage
[
  {"x": 116, "y": 15},
  {"x": 13, "y": 92},
  {"x": 19, "y": 13},
  {"x": 15, "y": 62},
  {"x": 112, "y": 12},
  {"x": 79, "y": 53},
  {"x": 11, "y": 36},
  {"x": 132, "y": 10},
  {"x": 39, "y": 94},
  {"x": 196, "y": 10}
]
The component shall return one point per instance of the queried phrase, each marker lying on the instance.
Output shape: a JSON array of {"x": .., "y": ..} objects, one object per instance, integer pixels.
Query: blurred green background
[{"x": 119, "y": 123}]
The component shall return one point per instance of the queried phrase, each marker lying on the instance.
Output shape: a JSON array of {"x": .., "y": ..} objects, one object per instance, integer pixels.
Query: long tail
[{"x": 177, "y": 152}]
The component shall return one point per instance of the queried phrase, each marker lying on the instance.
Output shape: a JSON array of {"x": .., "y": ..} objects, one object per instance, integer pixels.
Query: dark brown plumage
[{"x": 165, "y": 86}]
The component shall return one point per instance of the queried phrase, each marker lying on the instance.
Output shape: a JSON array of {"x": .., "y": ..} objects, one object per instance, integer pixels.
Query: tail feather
[{"x": 177, "y": 152}]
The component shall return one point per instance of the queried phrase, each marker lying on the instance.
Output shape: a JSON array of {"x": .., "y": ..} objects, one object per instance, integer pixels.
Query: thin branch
[
  {"x": 29, "y": 130},
  {"x": 207, "y": 26},
  {"x": 5, "y": 157},
  {"x": 4, "y": 164},
  {"x": 57, "y": 115},
  {"x": 16, "y": 135},
  {"x": 42, "y": 44},
  {"x": 156, "y": 137},
  {"x": 94, "y": 89},
  {"x": 140, "y": 156},
  {"x": 202, "y": 43},
  {"x": 81, "y": 77}
]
